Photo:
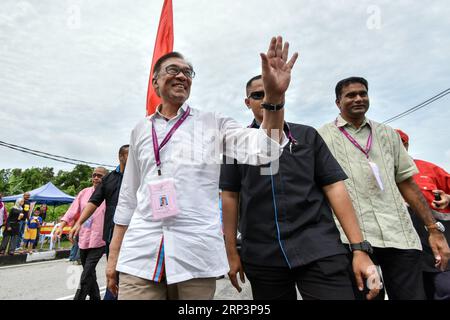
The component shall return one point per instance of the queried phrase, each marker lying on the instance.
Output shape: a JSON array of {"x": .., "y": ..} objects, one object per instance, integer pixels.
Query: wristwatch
[
  {"x": 272, "y": 107},
  {"x": 436, "y": 226},
  {"x": 362, "y": 246}
]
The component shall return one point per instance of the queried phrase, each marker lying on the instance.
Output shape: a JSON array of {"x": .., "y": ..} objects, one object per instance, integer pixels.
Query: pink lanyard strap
[
  {"x": 156, "y": 147},
  {"x": 355, "y": 143}
]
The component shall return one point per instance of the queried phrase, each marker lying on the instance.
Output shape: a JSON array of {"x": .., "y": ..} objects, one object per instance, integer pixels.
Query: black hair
[
  {"x": 122, "y": 149},
  {"x": 345, "y": 82},
  {"x": 160, "y": 61},
  {"x": 249, "y": 83}
]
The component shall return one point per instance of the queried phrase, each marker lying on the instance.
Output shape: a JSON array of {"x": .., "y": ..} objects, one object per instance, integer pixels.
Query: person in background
[
  {"x": 43, "y": 215},
  {"x": 37, "y": 211},
  {"x": 107, "y": 192},
  {"x": 30, "y": 234},
  {"x": 23, "y": 220},
  {"x": 92, "y": 246},
  {"x": 11, "y": 233},
  {"x": 434, "y": 182},
  {"x": 3, "y": 214},
  {"x": 74, "y": 255}
]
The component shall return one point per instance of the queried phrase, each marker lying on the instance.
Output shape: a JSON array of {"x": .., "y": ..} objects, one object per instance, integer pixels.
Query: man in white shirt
[{"x": 177, "y": 251}]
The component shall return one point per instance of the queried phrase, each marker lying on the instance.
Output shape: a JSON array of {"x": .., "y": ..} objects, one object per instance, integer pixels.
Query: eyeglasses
[
  {"x": 174, "y": 70},
  {"x": 256, "y": 95},
  {"x": 97, "y": 175}
]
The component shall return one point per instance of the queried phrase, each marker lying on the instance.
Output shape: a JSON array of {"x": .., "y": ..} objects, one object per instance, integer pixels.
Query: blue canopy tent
[{"x": 48, "y": 194}]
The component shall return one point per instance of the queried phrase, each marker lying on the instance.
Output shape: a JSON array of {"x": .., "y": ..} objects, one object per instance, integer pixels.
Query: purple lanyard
[
  {"x": 156, "y": 147},
  {"x": 355, "y": 143}
]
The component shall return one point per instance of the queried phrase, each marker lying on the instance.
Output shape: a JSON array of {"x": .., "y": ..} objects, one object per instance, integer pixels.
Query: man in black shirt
[
  {"x": 107, "y": 191},
  {"x": 289, "y": 236}
]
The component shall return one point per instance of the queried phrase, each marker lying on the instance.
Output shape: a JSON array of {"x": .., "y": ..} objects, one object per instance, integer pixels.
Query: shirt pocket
[{"x": 300, "y": 156}]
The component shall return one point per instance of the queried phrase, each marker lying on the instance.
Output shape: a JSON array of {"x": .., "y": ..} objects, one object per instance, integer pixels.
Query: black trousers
[
  {"x": 325, "y": 279},
  {"x": 11, "y": 239},
  {"x": 437, "y": 285},
  {"x": 402, "y": 273},
  {"x": 38, "y": 234},
  {"x": 88, "y": 281}
]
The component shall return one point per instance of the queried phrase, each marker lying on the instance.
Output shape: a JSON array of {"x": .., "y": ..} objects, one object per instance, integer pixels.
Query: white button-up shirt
[{"x": 190, "y": 244}]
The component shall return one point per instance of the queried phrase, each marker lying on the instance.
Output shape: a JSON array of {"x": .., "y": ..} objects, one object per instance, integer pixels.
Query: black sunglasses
[
  {"x": 256, "y": 95},
  {"x": 97, "y": 175}
]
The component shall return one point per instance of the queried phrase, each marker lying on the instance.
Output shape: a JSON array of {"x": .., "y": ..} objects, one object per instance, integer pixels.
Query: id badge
[
  {"x": 376, "y": 173},
  {"x": 163, "y": 199},
  {"x": 88, "y": 223}
]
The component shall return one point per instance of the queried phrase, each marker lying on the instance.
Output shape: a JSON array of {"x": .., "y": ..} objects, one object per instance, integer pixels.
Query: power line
[
  {"x": 419, "y": 106},
  {"x": 49, "y": 155},
  {"x": 76, "y": 161},
  {"x": 35, "y": 154}
]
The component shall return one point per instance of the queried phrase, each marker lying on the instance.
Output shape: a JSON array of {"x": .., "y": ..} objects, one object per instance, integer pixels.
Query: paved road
[{"x": 58, "y": 279}]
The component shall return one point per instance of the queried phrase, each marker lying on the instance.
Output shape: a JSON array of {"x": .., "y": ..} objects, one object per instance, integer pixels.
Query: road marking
[
  {"x": 32, "y": 264},
  {"x": 102, "y": 292}
]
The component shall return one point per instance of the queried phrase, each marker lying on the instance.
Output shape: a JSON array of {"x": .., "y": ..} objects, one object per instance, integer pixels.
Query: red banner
[{"x": 163, "y": 45}]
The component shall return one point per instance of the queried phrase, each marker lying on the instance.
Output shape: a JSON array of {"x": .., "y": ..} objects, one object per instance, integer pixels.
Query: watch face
[
  {"x": 440, "y": 227},
  {"x": 367, "y": 247}
]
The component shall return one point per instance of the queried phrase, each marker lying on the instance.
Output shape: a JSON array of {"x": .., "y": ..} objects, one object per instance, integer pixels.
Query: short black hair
[
  {"x": 345, "y": 82},
  {"x": 160, "y": 61},
  {"x": 249, "y": 83},
  {"x": 122, "y": 149}
]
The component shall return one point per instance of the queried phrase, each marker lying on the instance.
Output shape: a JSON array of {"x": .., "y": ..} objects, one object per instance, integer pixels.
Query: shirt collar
[
  {"x": 286, "y": 129},
  {"x": 341, "y": 122},
  {"x": 181, "y": 110}
]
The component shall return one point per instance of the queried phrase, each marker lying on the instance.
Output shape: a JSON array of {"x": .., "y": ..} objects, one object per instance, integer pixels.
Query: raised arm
[{"x": 276, "y": 76}]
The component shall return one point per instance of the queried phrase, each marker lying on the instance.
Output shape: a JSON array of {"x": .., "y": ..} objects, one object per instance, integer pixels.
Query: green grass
[{"x": 65, "y": 244}]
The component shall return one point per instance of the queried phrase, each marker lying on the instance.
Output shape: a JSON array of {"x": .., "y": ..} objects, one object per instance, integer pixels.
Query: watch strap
[{"x": 272, "y": 107}]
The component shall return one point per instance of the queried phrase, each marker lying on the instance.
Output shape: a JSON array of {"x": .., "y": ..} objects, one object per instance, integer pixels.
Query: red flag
[{"x": 163, "y": 45}]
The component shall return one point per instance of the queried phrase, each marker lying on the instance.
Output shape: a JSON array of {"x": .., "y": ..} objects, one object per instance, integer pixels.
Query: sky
[{"x": 74, "y": 74}]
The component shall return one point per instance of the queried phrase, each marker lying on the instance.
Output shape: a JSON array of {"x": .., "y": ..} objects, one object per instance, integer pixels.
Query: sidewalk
[{"x": 20, "y": 258}]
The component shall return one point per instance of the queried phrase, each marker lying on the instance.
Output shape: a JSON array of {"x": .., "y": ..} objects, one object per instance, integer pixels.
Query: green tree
[
  {"x": 35, "y": 177},
  {"x": 78, "y": 178},
  {"x": 4, "y": 180},
  {"x": 16, "y": 181}
]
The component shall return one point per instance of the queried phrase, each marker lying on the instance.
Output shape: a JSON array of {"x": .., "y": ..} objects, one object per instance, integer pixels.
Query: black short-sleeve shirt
[
  {"x": 301, "y": 229},
  {"x": 108, "y": 191}
]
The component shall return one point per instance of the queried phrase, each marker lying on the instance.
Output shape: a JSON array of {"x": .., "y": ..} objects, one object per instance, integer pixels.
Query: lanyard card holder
[
  {"x": 377, "y": 175},
  {"x": 163, "y": 199}
]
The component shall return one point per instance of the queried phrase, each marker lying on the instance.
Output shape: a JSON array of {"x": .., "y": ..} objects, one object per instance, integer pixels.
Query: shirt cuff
[
  {"x": 122, "y": 219},
  {"x": 400, "y": 177}
]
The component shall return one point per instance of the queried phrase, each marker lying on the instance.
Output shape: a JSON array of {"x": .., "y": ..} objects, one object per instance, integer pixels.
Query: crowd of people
[
  {"x": 21, "y": 226},
  {"x": 342, "y": 212}
]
